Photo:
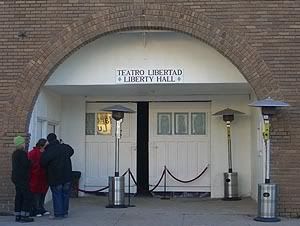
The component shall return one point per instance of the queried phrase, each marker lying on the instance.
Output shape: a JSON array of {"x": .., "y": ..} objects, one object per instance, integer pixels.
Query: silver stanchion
[
  {"x": 267, "y": 210},
  {"x": 165, "y": 185},
  {"x": 129, "y": 175},
  {"x": 230, "y": 178},
  {"x": 116, "y": 194}
]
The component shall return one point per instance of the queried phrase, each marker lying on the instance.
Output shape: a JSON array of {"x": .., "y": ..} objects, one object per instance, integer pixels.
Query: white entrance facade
[{"x": 184, "y": 81}]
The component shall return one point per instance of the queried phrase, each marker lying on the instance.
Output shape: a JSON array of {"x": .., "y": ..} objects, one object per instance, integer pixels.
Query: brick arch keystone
[{"x": 136, "y": 17}]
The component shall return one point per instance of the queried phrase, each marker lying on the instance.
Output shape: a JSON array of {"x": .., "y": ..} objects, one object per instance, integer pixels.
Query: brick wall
[{"x": 262, "y": 38}]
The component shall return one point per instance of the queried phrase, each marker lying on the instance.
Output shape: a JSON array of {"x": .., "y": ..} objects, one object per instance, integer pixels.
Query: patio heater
[
  {"x": 116, "y": 193},
  {"x": 230, "y": 177},
  {"x": 267, "y": 192}
]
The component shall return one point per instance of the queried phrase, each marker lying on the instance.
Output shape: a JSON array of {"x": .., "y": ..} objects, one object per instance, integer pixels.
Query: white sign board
[{"x": 149, "y": 76}]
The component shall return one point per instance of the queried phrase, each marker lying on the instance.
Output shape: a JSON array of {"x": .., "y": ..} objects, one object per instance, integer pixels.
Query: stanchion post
[
  {"x": 165, "y": 185},
  {"x": 129, "y": 175}
]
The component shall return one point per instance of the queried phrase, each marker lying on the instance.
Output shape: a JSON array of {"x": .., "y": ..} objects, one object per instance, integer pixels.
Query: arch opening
[{"x": 180, "y": 78}]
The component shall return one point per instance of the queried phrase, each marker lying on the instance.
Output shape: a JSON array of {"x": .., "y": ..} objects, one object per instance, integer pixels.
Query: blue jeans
[{"x": 60, "y": 196}]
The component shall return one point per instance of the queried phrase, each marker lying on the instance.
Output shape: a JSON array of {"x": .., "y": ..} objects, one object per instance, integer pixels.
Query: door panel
[
  {"x": 186, "y": 155},
  {"x": 100, "y": 149}
]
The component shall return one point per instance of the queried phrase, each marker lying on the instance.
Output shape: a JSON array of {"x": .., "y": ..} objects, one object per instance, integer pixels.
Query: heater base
[
  {"x": 232, "y": 199},
  {"x": 231, "y": 186},
  {"x": 267, "y": 203},
  {"x": 264, "y": 219},
  {"x": 116, "y": 206},
  {"x": 116, "y": 193}
]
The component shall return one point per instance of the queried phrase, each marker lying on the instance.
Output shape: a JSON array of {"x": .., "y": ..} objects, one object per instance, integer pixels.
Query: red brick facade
[{"x": 261, "y": 38}]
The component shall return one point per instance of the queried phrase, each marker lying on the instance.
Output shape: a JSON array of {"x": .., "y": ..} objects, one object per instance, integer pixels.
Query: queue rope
[
  {"x": 132, "y": 177},
  {"x": 162, "y": 176},
  {"x": 187, "y": 181},
  {"x": 101, "y": 189},
  {"x": 164, "y": 173}
]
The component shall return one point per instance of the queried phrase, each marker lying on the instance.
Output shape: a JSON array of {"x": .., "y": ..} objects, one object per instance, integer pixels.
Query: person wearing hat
[
  {"x": 56, "y": 159},
  {"x": 20, "y": 177}
]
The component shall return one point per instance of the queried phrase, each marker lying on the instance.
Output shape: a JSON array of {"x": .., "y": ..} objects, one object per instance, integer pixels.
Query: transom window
[{"x": 181, "y": 123}]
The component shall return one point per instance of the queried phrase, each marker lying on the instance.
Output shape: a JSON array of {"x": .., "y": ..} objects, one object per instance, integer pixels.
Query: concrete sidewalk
[{"x": 91, "y": 211}]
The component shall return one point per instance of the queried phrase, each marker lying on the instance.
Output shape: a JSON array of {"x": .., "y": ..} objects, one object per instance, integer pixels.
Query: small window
[
  {"x": 198, "y": 121},
  {"x": 90, "y": 124},
  {"x": 181, "y": 122},
  {"x": 164, "y": 123}
]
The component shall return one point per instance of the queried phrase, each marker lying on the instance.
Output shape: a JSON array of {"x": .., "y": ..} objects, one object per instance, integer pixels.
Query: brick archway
[
  {"x": 231, "y": 45},
  {"x": 125, "y": 18}
]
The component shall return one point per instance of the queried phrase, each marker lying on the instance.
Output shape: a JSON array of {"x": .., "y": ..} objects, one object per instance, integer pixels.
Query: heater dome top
[
  {"x": 228, "y": 111},
  {"x": 118, "y": 108},
  {"x": 268, "y": 102}
]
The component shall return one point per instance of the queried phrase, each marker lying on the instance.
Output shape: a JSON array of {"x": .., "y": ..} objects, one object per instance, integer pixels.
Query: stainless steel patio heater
[
  {"x": 230, "y": 177},
  {"x": 116, "y": 193},
  {"x": 267, "y": 192}
]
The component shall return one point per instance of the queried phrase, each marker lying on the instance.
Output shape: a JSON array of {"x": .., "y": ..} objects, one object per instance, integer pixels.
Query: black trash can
[{"x": 75, "y": 184}]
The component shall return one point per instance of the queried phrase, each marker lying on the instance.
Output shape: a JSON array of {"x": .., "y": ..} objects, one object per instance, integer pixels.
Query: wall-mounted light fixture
[{"x": 22, "y": 34}]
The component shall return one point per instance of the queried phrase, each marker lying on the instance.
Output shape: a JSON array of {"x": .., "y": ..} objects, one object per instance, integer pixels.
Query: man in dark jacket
[
  {"x": 20, "y": 178},
  {"x": 56, "y": 159}
]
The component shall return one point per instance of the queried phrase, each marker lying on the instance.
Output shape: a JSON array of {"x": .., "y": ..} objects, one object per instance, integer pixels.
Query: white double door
[
  {"x": 100, "y": 148},
  {"x": 179, "y": 139}
]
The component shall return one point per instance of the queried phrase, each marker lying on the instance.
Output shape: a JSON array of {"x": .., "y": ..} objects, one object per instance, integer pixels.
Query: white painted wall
[
  {"x": 73, "y": 130},
  {"x": 246, "y": 137},
  {"x": 97, "y": 62},
  {"x": 240, "y": 144},
  {"x": 46, "y": 110},
  {"x": 257, "y": 152}
]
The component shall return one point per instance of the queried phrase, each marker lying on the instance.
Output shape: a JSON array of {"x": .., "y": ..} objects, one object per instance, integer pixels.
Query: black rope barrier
[
  {"x": 92, "y": 192},
  {"x": 101, "y": 189},
  {"x": 187, "y": 181},
  {"x": 132, "y": 177},
  {"x": 164, "y": 172}
]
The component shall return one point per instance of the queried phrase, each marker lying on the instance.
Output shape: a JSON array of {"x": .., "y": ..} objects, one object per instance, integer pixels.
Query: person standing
[
  {"x": 38, "y": 181},
  {"x": 56, "y": 159},
  {"x": 20, "y": 177}
]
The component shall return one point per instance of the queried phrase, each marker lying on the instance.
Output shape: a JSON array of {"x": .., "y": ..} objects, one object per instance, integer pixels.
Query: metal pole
[
  {"x": 229, "y": 146},
  {"x": 117, "y": 146},
  {"x": 165, "y": 184},
  {"x": 128, "y": 186},
  {"x": 267, "y": 147},
  {"x": 116, "y": 151}
]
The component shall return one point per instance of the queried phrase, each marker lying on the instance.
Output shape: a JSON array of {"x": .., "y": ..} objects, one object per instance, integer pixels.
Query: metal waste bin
[
  {"x": 116, "y": 193},
  {"x": 231, "y": 186},
  {"x": 267, "y": 203},
  {"x": 75, "y": 184}
]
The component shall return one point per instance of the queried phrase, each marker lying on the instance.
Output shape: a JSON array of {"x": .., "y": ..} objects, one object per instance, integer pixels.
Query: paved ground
[{"x": 91, "y": 211}]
